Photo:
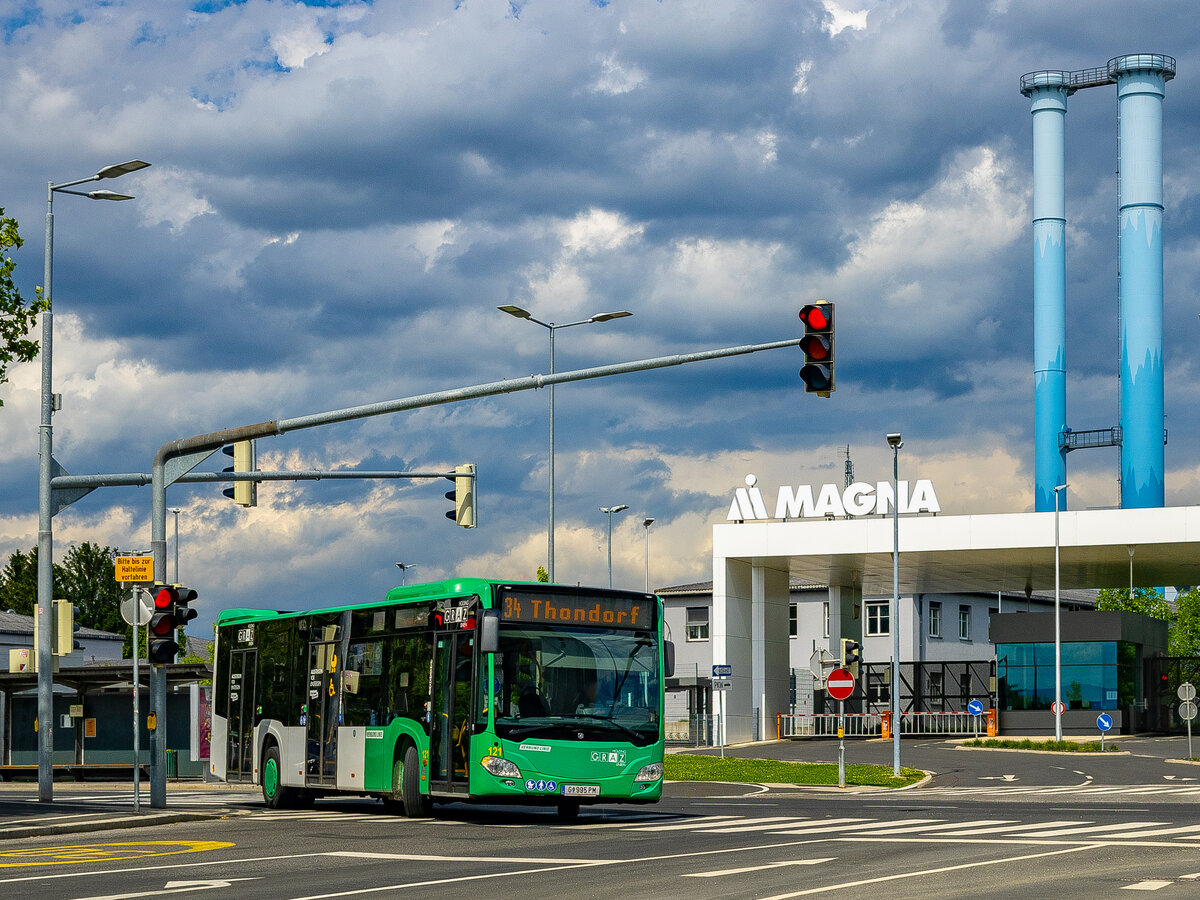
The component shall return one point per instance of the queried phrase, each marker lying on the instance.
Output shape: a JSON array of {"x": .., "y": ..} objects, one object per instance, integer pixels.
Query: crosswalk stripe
[
  {"x": 1182, "y": 830},
  {"x": 885, "y": 828},
  {"x": 681, "y": 826},
  {"x": 862, "y": 825},
  {"x": 758, "y": 824},
  {"x": 1092, "y": 829},
  {"x": 1011, "y": 829}
]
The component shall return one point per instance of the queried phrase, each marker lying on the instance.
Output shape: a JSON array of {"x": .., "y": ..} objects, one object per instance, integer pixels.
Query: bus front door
[
  {"x": 322, "y": 705},
  {"x": 243, "y": 664},
  {"x": 450, "y": 731}
]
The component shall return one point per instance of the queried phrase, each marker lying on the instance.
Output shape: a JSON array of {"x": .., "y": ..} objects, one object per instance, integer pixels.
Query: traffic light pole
[{"x": 176, "y": 458}]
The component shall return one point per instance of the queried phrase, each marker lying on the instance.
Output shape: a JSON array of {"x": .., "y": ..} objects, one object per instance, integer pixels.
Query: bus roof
[{"x": 412, "y": 593}]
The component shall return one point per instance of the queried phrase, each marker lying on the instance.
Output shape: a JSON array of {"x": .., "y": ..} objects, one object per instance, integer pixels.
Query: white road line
[
  {"x": 432, "y": 857},
  {"x": 924, "y": 829},
  {"x": 1147, "y": 886},
  {"x": 766, "y": 823},
  {"x": 818, "y": 827},
  {"x": 1092, "y": 829},
  {"x": 695, "y": 823},
  {"x": 745, "y": 869},
  {"x": 1008, "y": 829},
  {"x": 1178, "y": 830},
  {"x": 625, "y": 823},
  {"x": 923, "y": 872}
]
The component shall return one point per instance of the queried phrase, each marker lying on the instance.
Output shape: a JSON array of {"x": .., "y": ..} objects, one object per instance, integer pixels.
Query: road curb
[
  {"x": 1082, "y": 754},
  {"x": 50, "y": 829}
]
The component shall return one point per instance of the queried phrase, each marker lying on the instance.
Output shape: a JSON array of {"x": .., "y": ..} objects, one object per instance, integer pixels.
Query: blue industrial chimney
[{"x": 1140, "y": 79}]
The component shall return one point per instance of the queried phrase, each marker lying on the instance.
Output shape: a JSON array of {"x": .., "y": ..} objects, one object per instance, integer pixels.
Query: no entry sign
[{"x": 839, "y": 684}]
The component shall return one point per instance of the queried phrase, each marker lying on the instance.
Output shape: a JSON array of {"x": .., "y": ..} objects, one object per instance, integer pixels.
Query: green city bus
[{"x": 460, "y": 690}]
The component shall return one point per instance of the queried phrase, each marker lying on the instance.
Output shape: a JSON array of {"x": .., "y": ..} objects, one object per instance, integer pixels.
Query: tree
[
  {"x": 1147, "y": 601},
  {"x": 16, "y": 317},
  {"x": 87, "y": 577},
  {"x": 1185, "y": 635},
  {"x": 542, "y": 575}
]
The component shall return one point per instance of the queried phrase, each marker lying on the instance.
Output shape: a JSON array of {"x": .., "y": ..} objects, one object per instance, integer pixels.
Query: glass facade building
[{"x": 1099, "y": 675}]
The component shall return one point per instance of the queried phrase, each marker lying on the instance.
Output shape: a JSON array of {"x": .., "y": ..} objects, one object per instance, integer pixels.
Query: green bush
[
  {"x": 1026, "y": 744},
  {"x": 684, "y": 767}
]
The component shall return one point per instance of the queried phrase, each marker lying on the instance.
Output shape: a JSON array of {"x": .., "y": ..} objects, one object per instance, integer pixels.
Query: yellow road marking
[{"x": 76, "y": 853}]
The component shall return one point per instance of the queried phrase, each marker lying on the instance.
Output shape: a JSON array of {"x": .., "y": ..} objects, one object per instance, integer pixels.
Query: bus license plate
[{"x": 581, "y": 790}]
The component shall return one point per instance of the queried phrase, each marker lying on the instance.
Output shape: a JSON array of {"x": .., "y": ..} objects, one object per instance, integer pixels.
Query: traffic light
[
  {"x": 817, "y": 345},
  {"x": 463, "y": 496},
  {"x": 243, "y": 493},
  {"x": 64, "y": 628},
  {"x": 851, "y": 655},
  {"x": 171, "y": 611}
]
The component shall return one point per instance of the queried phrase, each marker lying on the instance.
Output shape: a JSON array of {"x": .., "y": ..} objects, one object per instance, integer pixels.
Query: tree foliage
[
  {"x": 86, "y": 577},
  {"x": 17, "y": 318},
  {"x": 1147, "y": 601},
  {"x": 1185, "y": 631}
]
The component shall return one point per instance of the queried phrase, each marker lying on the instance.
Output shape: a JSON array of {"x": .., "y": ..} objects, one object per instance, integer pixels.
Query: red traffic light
[
  {"x": 817, "y": 316},
  {"x": 165, "y": 598}
]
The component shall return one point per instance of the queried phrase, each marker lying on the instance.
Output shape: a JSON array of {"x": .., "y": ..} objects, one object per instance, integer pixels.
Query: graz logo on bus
[
  {"x": 245, "y": 635},
  {"x": 462, "y": 616},
  {"x": 859, "y": 499}
]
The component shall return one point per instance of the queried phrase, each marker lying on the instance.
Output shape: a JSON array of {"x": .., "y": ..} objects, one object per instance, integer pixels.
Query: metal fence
[
  {"x": 871, "y": 724},
  {"x": 694, "y": 731}
]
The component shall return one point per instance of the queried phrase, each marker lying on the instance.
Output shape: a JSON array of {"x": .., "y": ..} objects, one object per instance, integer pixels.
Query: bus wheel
[
  {"x": 275, "y": 795},
  {"x": 568, "y": 810},
  {"x": 394, "y": 803},
  {"x": 416, "y": 804}
]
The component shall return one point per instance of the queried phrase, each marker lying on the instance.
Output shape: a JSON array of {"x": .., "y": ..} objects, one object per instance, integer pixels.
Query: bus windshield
[{"x": 577, "y": 683}]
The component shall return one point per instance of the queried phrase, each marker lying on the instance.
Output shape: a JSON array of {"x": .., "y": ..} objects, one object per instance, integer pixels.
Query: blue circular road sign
[
  {"x": 1104, "y": 721},
  {"x": 975, "y": 708}
]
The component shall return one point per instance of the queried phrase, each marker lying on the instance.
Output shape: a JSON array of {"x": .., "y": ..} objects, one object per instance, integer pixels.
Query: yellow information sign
[{"x": 135, "y": 569}]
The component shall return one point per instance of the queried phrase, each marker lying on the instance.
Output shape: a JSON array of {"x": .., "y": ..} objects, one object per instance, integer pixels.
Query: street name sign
[
  {"x": 722, "y": 670},
  {"x": 840, "y": 684}
]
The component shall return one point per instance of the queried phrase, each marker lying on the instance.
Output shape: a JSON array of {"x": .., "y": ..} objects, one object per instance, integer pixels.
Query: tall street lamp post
[
  {"x": 609, "y": 510},
  {"x": 45, "y": 572},
  {"x": 404, "y": 567},
  {"x": 519, "y": 313},
  {"x": 646, "y": 523},
  {"x": 895, "y": 442},
  {"x": 1057, "y": 627}
]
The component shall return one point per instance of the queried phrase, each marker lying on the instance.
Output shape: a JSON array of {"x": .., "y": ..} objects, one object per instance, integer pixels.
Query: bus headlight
[
  {"x": 652, "y": 772},
  {"x": 501, "y": 768}
]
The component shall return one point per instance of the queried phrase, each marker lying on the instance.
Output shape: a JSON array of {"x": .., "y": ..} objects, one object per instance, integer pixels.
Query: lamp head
[
  {"x": 646, "y": 523},
  {"x": 608, "y": 316},
  {"x": 895, "y": 441},
  {"x": 515, "y": 311},
  {"x": 122, "y": 169}
]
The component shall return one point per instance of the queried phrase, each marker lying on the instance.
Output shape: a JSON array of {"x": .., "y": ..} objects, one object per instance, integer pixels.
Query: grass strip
[
  {"x": 1060, "y": 746},
  {"x": 684, "y": 767}
]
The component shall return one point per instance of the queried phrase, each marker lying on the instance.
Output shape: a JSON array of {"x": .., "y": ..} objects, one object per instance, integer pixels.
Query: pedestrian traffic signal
[
  {"x": 851, "y": 655},
  {"x": 817, "y": 345},
  {"x": 463, "y": 496},
  {"x": 243, "y": 493}
]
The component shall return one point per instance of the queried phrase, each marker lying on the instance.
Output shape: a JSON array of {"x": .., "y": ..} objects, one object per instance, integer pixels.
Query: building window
[
  {"x": 935, "y": 620},
  {"x": 964, "y": 623},
  {"x": 825, "y": 618},
  {"x": 697, "y": 623},
  {"x": 991, "y": 612},
  {"x": 879, "y": 618},
  {"x": 792, "y": 615}
]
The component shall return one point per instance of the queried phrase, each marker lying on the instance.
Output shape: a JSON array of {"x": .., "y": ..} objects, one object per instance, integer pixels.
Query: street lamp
[
  {"x": 609, "y": 510},
  {"x": 1057, "y": 628},
  {"x": 177, "y": 510},
  {"x": 519, "y": 313},
  {"x": 404, "y": 567},
  {"x": 45, "y": 573},
  {"x": 896, "y": 442},
  {"x": 646, "y": 523}
]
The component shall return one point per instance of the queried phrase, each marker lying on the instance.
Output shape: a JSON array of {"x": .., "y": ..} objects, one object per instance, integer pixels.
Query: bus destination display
[{"x": 568, "y": 609}]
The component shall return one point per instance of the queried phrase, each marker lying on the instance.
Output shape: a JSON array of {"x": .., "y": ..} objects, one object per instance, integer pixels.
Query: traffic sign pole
[{"x": 841, "y": 743}]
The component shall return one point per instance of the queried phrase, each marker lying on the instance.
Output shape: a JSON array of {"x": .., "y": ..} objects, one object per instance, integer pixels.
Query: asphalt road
[{"x": 967, "y": 834}]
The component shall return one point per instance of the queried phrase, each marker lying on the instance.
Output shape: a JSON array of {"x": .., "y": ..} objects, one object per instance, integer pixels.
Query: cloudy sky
[{"x": 343, "y": 193}]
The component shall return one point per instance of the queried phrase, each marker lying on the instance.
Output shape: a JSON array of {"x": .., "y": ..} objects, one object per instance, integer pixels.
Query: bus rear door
[
  {"x": 322, "y": 706},
  {"x": 243, "y": 665}
]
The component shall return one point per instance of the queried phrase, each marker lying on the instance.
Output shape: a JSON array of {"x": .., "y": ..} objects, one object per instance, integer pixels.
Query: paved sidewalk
[{"x": 94, "y": 806}]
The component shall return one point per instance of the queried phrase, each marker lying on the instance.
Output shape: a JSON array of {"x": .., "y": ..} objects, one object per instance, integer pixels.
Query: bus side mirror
[
  {"x": 668, "y": 659},
  {"x": 489, "y": 631}
]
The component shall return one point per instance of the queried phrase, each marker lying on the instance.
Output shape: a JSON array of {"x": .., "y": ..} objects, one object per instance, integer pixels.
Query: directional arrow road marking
[{"x": 997, "y": 777}]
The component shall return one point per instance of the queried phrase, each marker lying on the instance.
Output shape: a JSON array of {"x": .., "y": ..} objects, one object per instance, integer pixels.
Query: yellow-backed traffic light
[{"x": 817, "y": 345}]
